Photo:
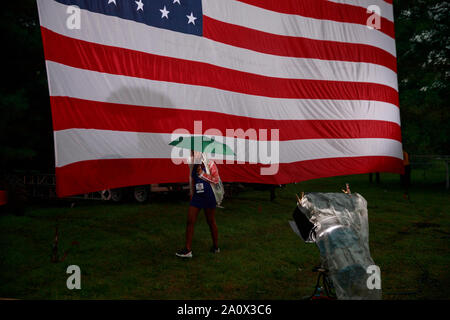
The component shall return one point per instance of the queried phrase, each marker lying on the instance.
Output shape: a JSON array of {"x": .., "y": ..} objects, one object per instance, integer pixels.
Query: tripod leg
[{"x": 316, "y": 288}]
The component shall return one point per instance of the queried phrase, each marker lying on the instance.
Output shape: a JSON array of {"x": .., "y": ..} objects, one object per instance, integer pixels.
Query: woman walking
[{"x": 204, "y": 182}]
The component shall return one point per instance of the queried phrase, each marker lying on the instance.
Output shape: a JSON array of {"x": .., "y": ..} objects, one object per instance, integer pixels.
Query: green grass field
[{"x": 127, "y": 251}]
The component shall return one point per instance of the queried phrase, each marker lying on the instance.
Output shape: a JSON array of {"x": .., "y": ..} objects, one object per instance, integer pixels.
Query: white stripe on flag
[
  {"x": 74, "y": 145},
  {"x": 96, "y": 86}
]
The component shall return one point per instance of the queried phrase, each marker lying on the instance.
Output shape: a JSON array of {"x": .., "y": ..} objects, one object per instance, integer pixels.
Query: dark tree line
[
  {"x": 26, "y": 139},
  {"x": 422, "y": 33}
]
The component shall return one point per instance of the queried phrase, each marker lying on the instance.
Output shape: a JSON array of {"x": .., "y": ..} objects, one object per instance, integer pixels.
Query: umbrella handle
[{"x": 205, "y": 162}]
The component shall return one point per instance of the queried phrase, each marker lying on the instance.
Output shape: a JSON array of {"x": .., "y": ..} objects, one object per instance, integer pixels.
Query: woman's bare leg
[
  {"x": 211, "y": 219},
  {"x": 192, "y": 217}
]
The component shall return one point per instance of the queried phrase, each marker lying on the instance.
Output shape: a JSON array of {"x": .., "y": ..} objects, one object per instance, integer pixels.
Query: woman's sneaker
[
  {"x": 214, "y": 250},
  {"x": 184, "y": 253}
]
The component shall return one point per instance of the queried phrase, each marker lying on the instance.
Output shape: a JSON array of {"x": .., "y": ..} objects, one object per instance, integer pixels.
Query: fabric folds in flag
[{"x": 310, "y": 75}]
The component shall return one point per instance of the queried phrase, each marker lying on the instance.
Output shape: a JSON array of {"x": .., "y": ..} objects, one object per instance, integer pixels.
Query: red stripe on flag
[
  {"x": 76, "y": 113},
  {"x": 323, "y": 10},
  {"x": 96, "y": 57},
  {"x": 95, "y": 175},
  {"x": 264, "y": 42}
]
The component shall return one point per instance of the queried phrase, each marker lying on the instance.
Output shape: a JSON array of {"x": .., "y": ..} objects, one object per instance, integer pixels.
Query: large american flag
[{"x": 135, "y": 71}]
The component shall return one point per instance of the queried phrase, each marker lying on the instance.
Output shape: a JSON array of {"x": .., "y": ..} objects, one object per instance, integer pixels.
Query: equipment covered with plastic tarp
[{"x": 341, "y": 231}]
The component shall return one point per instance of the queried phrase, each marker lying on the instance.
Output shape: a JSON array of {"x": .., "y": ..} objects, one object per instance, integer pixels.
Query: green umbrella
[{"x": 202, "y": 144}]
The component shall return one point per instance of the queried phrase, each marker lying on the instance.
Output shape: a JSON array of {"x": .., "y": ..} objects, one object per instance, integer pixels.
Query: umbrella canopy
[{"x": 202, "y": 144}]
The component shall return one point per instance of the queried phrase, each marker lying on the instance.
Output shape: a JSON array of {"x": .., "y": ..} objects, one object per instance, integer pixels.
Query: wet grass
[{"x": 126, "y": 251}]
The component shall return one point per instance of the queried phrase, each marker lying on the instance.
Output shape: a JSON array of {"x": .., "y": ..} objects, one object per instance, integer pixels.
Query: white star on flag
[
  {"x": 191, "y": 19},
  {"x": 140, "y": 5},
  {"x": 112, "y": 1},
  {"x": 177, "y": 1},
  {"x": 164, "y": 12}
]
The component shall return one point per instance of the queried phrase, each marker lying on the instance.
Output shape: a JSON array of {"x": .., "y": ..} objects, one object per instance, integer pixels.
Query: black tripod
[{"x": 323, "y": 283}]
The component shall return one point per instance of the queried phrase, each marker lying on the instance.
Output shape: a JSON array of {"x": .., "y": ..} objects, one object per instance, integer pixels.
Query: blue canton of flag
[{"x": 177, "y": 15}]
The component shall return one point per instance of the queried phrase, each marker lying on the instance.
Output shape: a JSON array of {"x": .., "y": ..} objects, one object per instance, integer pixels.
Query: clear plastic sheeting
[{"x": 342, "y": 234}]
